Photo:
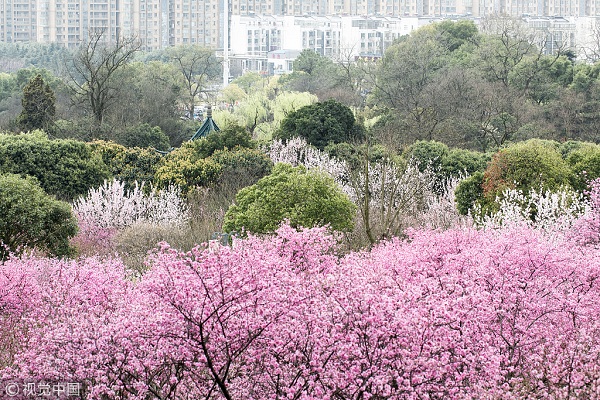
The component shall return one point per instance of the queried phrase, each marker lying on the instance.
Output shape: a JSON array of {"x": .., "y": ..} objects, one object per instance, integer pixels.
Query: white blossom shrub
[
  {"x": 586, "y": 230},
  {"x": 112, "y": 206},
  {"x": 441, "y": 211},
  {"x": 298, "y": 152},
  {"x": 539, "y": 209}
]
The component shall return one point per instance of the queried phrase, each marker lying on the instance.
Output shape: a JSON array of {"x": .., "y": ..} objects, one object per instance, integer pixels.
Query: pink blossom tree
[
  {"x": 586, "y": 230},
  {"x": 497, "y": 313}
]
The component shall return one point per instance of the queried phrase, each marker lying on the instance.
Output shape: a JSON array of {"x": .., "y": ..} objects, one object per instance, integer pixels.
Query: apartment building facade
[
  {"x": 266, "y": 43},
  {"x": 18, "y": 21},
  {"x": 158, "y": 23},
  {"x": 322, "y": 25}
]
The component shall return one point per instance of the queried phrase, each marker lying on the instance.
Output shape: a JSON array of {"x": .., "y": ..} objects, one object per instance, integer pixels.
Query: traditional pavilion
[{"x": 207, "y": 127}]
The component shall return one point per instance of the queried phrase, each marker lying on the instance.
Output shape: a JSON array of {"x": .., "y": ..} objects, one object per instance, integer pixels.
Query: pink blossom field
[{"x": 504, "y": 313}]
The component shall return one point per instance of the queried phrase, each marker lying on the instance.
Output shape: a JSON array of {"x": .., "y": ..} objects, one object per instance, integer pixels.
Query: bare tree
[
  {"x": 589, "y": 48},
  {"x": 198, "y": 66},
  {"x": 95, "y": 67},
  {"x": 389, "y": 198},
  {"x": 509, "y": 42},
  {"x": 404, "y": 78},
  {"x": 352, "y": 78}
]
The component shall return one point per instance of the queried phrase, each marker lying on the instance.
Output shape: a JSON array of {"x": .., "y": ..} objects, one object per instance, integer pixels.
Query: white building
[
  {"x": 334, "y": 28},
  {"x": 555, "y": 33},
  {"x": 332, "y": 36}
]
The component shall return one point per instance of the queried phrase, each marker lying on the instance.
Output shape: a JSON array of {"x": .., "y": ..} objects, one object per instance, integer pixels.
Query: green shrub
[
  {"x": 445, "y": 163},
  {"x": 33, "y": 219},
  {"x": 459, "y": 161},
  {"x": 38, "y": 104},
  {"x": 306, "y": 198},
  {"x": 243, "y": 165},
  {"x": 427, "y": 154},
  {"x": 534, "y": 164},
  {"x": 186, "y": 173},
  {"x": 203, "y": 162},
  {"x": 570, "y": 146},
  {"x": 228, "y": 138},
  {"x": 355, "y": 154},
  {"x": 144, "y": 136},
  {"x": 585, "y": 165},
  {"x": 64, "y": 168},
  {"x": 469, "y": 192},
  {"x": 128, "y": 164},
  {"x": 321, "y": 124}
]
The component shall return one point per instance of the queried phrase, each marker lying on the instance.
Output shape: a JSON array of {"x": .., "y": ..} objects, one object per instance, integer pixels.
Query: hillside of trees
[{"x": 449, "y": 82}]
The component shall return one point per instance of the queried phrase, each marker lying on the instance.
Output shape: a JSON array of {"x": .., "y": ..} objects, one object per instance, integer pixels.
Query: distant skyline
[{"x": 164, "y": 23}]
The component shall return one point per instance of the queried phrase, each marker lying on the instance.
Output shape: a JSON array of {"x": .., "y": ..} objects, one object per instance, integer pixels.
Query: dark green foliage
[
  {"x": 469, "y": 192},
  {"x": 459, "y": 162},
  {"x": 185, "y": 168},
  {"x": 321, "y": 124},
  {"x": 450, "y": 83},
  {"x": 341, "y": 80},
  {"x": 310, "y": 62},
  {"x": 39, "y": 106},
  {"x": 50, "y": 56},
  {"x": 32, "y": 219},
  {"x": 128, "y": 164},
  {"x": 306, "y": 198},
  {"x": 240, "y": 167},
  {"x": 242, "y": 164},
  {"x": 83, "y": 129},
  {"x": 186, "y": 174},
  {"x": 456, "y": 34},
  {"x": 585, "y": 76},
  {"x": 228, "y": 138},
  {"x": 250, "y": 82},
  {"x": 26, "y": 75},
  {"x": 144, "y": 136},
  {"x": 541, "y": 79},
  {"x": 445, "y": 162},
  {"x": 355, "y": 155},
  {"x": 313, "y": 73},
  {"x": 191, "y": 165},
  {"x": 427, "y": 154},
  {"x": 585, "y": 165},
  {"x": 63, "y": 168},
  {"x": 571, "y": 146}
]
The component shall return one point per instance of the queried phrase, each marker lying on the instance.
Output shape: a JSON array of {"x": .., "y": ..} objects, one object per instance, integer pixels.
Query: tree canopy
[
  {"x": 39, "y": 106},
  {"x": 64, "y": 168},
  {"x": 322, "y": 123},
  {"x": 32, "y": 219},
  {"x": 305, "y": 198}
]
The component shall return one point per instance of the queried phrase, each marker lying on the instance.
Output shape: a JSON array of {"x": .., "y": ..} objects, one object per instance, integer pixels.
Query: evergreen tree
[
  {"x": 322, "y": 123},
  {"x": 38, "y": 105}
]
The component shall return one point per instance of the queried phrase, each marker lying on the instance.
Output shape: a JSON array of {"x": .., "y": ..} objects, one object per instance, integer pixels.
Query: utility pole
[{"x": 226, "y": 44}]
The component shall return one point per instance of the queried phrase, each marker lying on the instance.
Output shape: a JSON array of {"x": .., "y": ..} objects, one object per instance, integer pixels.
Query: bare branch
[{"x": 93, "y": 71}]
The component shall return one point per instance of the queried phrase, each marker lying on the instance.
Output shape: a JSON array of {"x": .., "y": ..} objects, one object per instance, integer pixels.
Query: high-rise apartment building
[
  {"x": 18, "y": 21},
  {"x": 163, "y": 23},
  {"x": 158, "y": 23},
  {"x": 194, "y": 22}
]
